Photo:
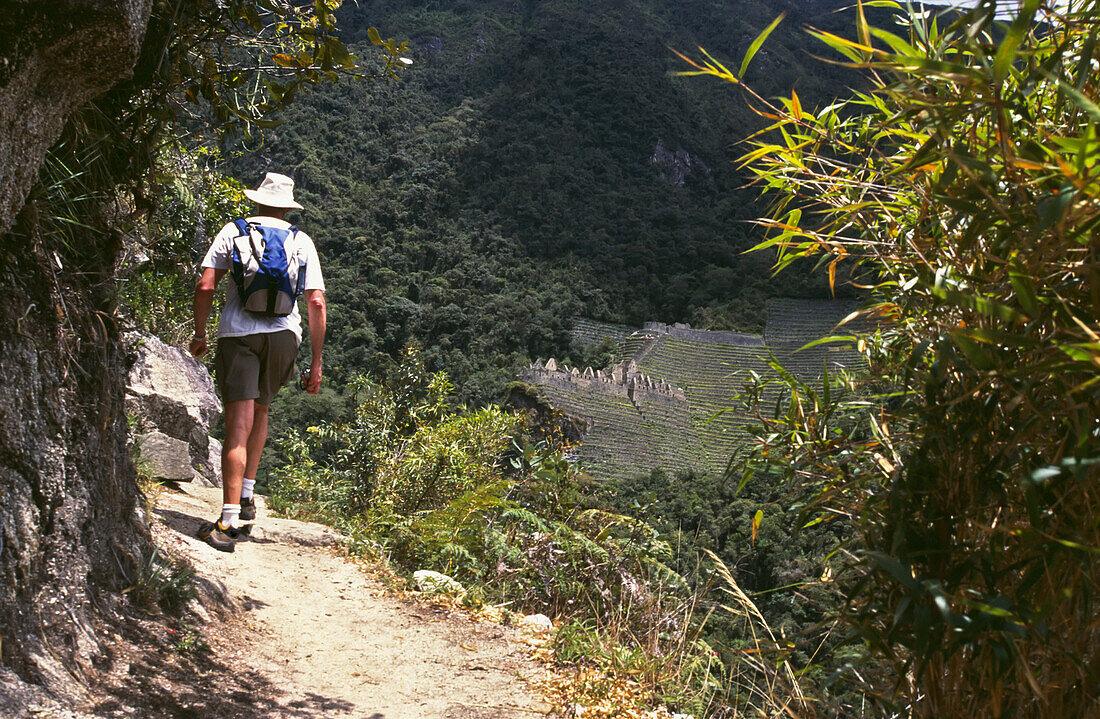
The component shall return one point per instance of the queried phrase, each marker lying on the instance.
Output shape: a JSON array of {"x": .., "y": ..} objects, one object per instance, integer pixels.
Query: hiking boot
[
  {"x": 220, "y": 538},
  {"x": 248, "y": 514},
  {"x": 248, "y": 509}
]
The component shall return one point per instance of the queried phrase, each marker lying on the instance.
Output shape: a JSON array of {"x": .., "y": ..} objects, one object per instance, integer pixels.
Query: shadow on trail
[
  {"x": 189, "y": 524},
  {"x": 181, "y": 522},
  {"x": 162, "y": 668},
  {"x": 165, "y": 680}
]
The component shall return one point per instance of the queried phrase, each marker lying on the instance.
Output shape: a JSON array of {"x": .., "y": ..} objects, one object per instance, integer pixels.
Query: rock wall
[
  {"x": 68, "y": 517},
  {"x": 69, "y": 532},
  {"x": 55, "y": 55},
  {"x": 675, "y": 165},
  {"x": 632, "y": 424},
  {"x": 623, "y": 379}
]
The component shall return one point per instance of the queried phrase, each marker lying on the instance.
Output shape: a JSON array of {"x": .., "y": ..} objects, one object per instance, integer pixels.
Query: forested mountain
[{"x": 538, "y": 160}]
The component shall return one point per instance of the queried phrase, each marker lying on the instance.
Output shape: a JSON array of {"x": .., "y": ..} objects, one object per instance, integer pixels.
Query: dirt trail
[{"x": 319, "y": 638}]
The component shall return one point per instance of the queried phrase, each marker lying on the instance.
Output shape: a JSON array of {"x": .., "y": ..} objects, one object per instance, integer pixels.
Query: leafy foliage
[
  {"x": 233, "y": 64},
  {"x": 429, "y": 482},
  {"x": 205, "y": 70},
  {"x": 157, "y": 271},
  {"x": 964, "y": 187},
  {"x": 162, "y": 584},
  {"x": 750, "y": 540}
]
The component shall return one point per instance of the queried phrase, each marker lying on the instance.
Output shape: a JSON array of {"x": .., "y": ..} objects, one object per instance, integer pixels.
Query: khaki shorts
[{"x": 255, "y": 366}]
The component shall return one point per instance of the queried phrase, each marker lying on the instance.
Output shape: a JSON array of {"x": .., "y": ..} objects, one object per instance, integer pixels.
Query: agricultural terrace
[{"x": 672, "y": 402}]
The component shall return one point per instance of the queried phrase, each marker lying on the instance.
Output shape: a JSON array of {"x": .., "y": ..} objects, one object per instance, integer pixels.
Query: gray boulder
[
  {"x": 171, "y": 392},
  {"x": 167, "y": 459},
  {"x": 214, "y": 479}
]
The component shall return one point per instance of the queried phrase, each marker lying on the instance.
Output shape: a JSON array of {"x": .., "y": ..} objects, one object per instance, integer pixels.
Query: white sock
[
  {"x": 231, "y": 513},
  {"x": 246, "y": 488}
]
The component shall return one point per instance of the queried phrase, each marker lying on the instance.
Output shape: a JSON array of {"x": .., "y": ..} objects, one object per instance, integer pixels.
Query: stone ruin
[
  {"x": 623, "y": 378},
  {"x": 636, "y": 423}
]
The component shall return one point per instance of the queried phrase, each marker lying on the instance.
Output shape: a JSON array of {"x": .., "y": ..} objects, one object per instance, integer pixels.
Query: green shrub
[
  {"x": 190, "y": 202},
  {"x": 161, "y": 584}
]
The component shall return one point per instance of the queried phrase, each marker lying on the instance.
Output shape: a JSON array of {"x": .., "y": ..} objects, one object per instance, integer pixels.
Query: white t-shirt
[{"x": 235, "y": 321}]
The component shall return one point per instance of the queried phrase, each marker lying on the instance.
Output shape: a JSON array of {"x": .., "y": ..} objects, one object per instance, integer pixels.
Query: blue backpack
[{"x": 269, "y": 268}]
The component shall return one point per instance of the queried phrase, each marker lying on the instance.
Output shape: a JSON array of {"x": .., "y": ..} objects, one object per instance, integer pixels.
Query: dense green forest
[{"x": 506, "y": 183}]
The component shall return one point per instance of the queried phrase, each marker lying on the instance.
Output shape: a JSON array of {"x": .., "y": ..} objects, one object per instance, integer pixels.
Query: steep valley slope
[{"x": 538, "y": 161}]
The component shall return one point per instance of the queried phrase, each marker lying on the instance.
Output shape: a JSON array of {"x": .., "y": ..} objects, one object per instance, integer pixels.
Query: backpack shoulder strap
[
  {"x": 244, "y": 227},
  {"x": 300, "y": 255},
  {"x": 292, "y": 233}
]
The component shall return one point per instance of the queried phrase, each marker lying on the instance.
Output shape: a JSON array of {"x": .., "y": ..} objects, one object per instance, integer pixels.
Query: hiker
[{"x": 270, "y": 263}]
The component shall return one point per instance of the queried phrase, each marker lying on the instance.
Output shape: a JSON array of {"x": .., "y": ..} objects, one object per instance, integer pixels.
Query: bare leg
[
  {"x": 239, "y": 418},
  {"x": 256, "y": 439}
]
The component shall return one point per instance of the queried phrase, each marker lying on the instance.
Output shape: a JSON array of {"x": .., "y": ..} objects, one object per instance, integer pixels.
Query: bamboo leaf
[
  {"x": 898, "y": 45},
  {"x": 1009, "y": 47},
  {"x": 895, "y": 568},
  {"x": 723, "y": 71},
  {"x": 1083, "y": 102},
  {"x": 816, "y": 520},
  {"x": 852, "y": 50},
  {"x": 982, "y": 305},
  {"x": 756, "y": 154},
  {"x": 1025, "y": 292},
  {"x": 862, "y": 28},
  {"x": 757, "y": 42},
  {"x": 978, "y": 355}
]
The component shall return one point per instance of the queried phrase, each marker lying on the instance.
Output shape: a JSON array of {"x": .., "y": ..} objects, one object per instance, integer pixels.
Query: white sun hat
[{"x": 275, "y": 191}]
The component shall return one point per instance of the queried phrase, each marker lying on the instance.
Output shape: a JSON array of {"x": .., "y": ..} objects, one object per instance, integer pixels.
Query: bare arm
[
  {"x": 318, "y": 319},
  {"x": 200, "y": 309}
]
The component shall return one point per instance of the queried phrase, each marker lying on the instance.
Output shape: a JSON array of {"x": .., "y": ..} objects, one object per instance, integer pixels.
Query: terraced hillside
[
  {"x": 711, "y": 375},
  {"x": 592, "y": 332},
  {"x": 672, "y": 401},
  {"x": 794, "y": 323},
  {"x": 633, "y": 424}
]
